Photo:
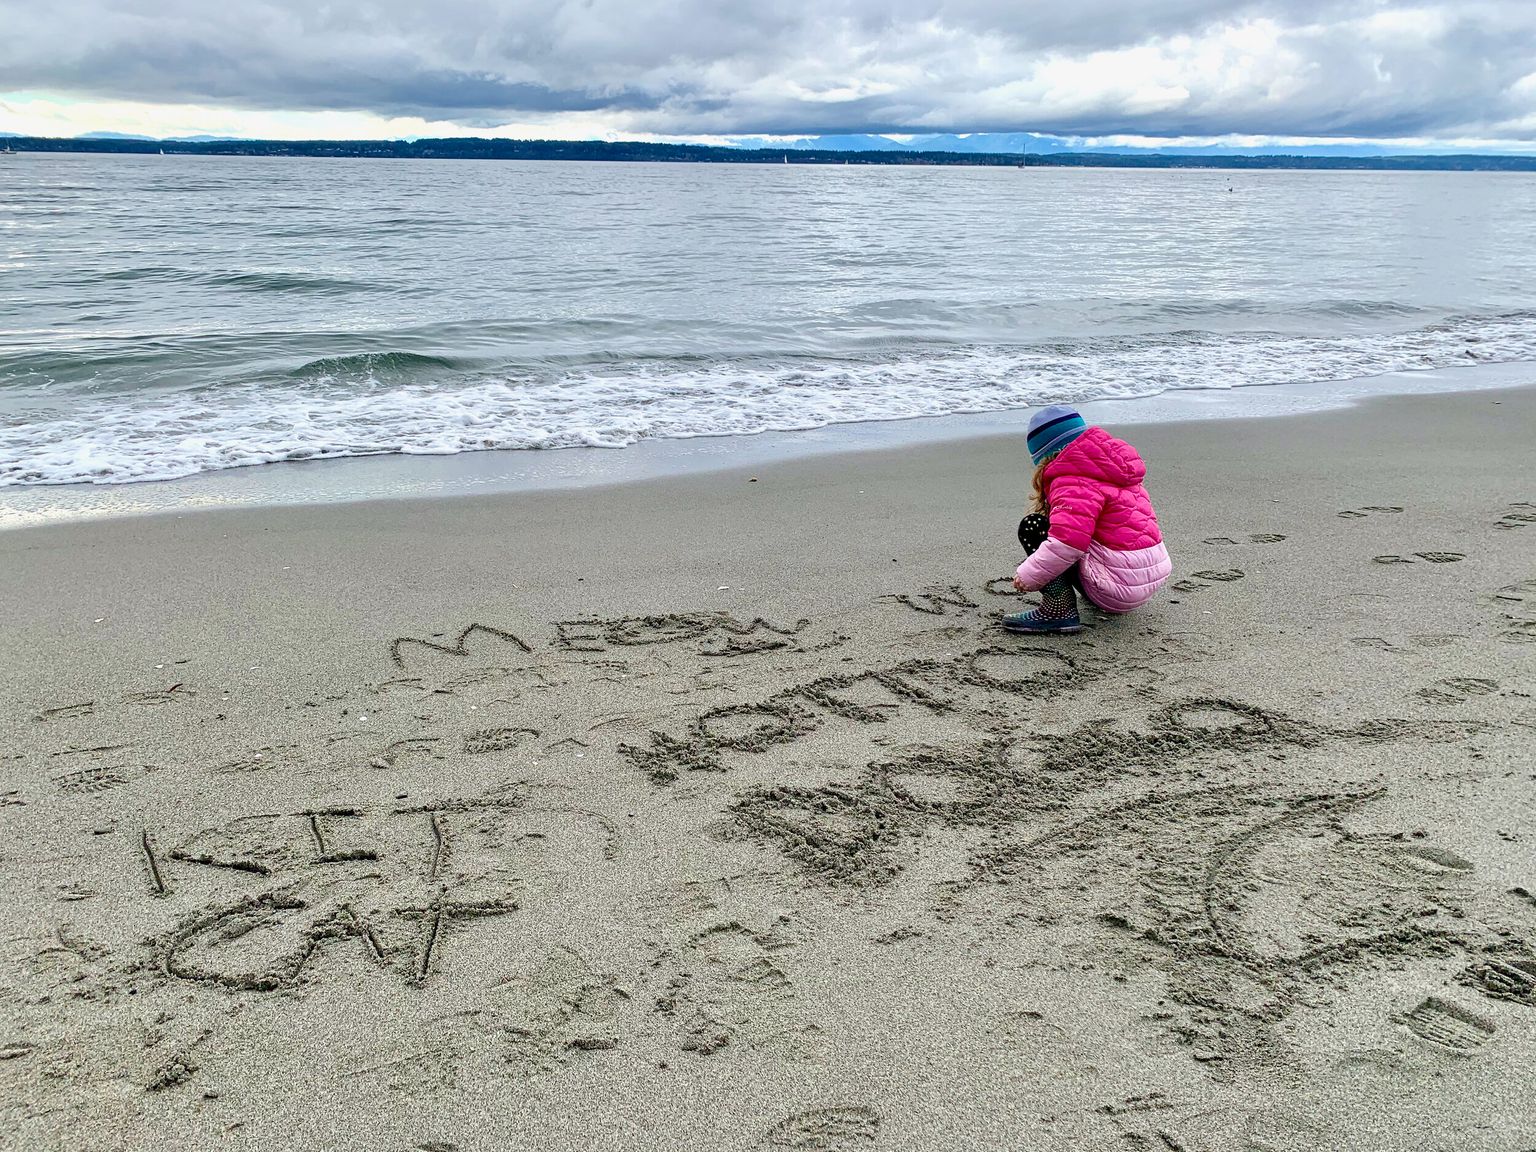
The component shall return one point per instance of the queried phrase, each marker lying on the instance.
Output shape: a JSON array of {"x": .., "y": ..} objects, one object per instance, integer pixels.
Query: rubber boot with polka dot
[{"x": 1057, "y": 611}]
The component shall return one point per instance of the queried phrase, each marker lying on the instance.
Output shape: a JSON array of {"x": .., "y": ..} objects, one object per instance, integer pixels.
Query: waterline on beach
[{"x": 483, "y": 473}]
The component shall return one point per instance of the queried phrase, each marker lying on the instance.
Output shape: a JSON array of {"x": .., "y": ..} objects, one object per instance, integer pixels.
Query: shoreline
[
  {"x": 702, "y": 812},
  {"x": 393, "y": 476}
]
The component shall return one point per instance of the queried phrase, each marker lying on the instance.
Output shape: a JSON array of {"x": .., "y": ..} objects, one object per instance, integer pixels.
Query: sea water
[{"x": 167, "y": 316}]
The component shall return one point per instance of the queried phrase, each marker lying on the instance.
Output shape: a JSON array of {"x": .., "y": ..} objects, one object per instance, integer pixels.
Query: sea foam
[{"x": 323, "y": 413}]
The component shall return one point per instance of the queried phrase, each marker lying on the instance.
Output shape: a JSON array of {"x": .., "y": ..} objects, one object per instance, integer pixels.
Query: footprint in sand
[
  {"x": 1519, "y": 515},
  {"x": 1255, "y": 538},
  {"x": 1377, "y": 643},
  {"x": 1519, "y": 632},
  {"x": 1503, "y": 978},
  {"x": 1518, "y": 617},
  {"x": 1368, "y": 510},
  {"x": 1431, "y": 557},
  {"x": 90, "y": 780},
  {"x": 1447, "y": 1025},
  {"x": 1517, "y": 593},
  {"x": 1457, "y": 689},
  {"x": 497, "y": 739},
  {"x": 1436, "y": 639},
  {"x": 728, "y": 990},
  {"x": 67, "y": 711},
  {"x": 158, "y": 696},
  {"x": 1193, "y": 584},
  {"x": 833, "y": 1129},
  {"x": 1420, "y": 640}
]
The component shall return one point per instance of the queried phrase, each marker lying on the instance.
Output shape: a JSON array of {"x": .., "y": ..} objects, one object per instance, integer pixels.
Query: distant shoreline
[{"x": 628, "y": 151}]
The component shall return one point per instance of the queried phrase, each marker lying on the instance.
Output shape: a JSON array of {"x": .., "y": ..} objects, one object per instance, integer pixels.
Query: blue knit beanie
[{"x": 1051, "y": 429}]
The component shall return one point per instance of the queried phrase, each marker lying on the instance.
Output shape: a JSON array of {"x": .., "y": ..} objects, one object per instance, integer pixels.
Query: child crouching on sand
[{"x": 1092, "y": 529}]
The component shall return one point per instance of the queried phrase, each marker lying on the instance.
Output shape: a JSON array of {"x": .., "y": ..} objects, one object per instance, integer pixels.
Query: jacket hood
[{"x": 1099, "y": 456}]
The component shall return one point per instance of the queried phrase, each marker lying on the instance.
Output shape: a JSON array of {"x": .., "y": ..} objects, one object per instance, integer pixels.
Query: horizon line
[{"x": 771, "y": 141}]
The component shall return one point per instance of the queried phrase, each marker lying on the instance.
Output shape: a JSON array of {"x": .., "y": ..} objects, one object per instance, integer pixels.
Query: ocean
[{"x": 162, "y": 317}]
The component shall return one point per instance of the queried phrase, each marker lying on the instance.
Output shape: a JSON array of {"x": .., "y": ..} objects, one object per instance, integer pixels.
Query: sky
[{"x": 1452, "y": 73}]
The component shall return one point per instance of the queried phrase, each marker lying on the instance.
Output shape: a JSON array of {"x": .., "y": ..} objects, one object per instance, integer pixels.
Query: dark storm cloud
[{"x": 1302, "y": 67}]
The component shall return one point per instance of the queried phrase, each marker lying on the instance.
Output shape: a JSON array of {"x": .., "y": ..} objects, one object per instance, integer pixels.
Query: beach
[{"x": 717, "y": 811}]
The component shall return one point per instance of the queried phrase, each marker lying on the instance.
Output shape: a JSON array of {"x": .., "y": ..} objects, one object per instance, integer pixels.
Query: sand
[{"x": 718, "y": 812}]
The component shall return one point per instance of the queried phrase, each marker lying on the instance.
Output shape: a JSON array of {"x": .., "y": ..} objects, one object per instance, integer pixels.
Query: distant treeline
[{"x": 477, "y": 149}]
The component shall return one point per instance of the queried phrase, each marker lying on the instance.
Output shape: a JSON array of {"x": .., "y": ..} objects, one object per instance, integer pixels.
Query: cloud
[{"x": 1357, "y": 68}]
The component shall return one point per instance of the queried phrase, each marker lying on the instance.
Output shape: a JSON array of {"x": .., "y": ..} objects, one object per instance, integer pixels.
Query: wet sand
[{"x": 717, "y": 812}]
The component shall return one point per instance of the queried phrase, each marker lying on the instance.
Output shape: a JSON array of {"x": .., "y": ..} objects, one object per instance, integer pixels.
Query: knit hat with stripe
[{"x": 1051, "y": 429}]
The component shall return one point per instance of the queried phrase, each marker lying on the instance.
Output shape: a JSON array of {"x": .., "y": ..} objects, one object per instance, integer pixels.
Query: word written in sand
[{"x": 394, "y": 885}]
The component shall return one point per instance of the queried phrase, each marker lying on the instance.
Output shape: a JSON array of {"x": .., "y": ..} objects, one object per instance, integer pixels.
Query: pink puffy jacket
[{"x": 1101, "y": 519}]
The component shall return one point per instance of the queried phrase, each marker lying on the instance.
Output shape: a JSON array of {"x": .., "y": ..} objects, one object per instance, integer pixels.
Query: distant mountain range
[
  {"x": 127, "y": 136},
  {"x": 1040, "y": 144},
  {"x": 971, "y": 143},
  {"x": 1009, "y": 150},
  {"x": 152, "y": 139}
]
